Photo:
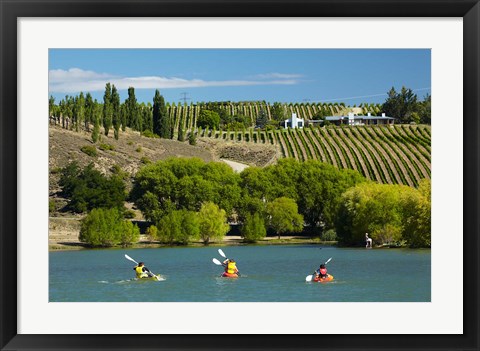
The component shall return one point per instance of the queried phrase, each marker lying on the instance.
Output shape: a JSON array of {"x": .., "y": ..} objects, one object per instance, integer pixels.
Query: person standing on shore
[{"x": 368, "y": 241}]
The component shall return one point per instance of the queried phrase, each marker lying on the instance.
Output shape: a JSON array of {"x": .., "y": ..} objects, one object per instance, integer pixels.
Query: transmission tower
[{"x": 184, "y": 97}]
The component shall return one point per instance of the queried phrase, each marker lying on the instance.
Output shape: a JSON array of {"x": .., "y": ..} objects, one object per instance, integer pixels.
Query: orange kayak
[
  {"x": 328, "y": 278},
  {"x": 229, "y": 275}
]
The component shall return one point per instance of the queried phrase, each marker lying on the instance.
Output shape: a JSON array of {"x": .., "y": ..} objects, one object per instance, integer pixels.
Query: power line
[{"x": 366, "y": 96}]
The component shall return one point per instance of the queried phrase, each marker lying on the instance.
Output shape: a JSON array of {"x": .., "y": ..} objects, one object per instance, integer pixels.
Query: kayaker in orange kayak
[{"x": 230, "y": 267}]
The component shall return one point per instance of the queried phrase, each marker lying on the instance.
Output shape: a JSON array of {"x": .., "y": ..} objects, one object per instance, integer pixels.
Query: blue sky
[{"x": 283, "y": 75}]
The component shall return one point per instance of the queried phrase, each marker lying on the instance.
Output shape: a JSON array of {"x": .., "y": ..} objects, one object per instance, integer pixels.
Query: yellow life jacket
[
  {"x": 231, "y": 268},
  {"x": 140, "y": 273}
]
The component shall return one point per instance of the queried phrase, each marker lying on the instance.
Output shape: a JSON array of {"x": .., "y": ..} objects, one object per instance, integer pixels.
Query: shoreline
[{"x": 72, "y": 245}]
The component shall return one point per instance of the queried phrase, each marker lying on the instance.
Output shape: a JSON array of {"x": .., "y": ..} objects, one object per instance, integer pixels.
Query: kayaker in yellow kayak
[{"x": 141, "y": 271}]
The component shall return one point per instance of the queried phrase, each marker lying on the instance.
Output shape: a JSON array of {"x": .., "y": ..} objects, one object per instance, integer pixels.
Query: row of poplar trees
[{"x": 73, "y": 112}]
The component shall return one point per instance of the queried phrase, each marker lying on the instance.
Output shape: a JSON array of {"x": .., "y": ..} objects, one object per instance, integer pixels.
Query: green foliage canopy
[
  {"x": 106, "y": 228},
  {"x": 88, "y": 189},
  {"x": 208, "y": 119},
  {"x": 179, "y": 183},
  {"x": 284, "y": 216},
  {"x": 391, "y": 214},
  {"x": 212, "y": 222}
]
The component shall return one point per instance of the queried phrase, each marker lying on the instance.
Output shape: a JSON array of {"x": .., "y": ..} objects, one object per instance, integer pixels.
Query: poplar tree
[
  {"x": 51, "y": 106},
  {"x": 133, "y": 119},
  {"x": 115, "y": 111},
  {"x": 78, "y": 110},
  {"x": 97, "y": 114},
  {"x": 89, "y": 111},
  {"x": 107, "y": 108},
  {"x": 162, "y": 125}
]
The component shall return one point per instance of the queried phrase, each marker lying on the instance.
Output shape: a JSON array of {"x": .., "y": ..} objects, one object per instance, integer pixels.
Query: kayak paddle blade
[
  {"x": 221, "y": 253},
  {"x": 309, "y": 278},
  {"x": 217, "y": 262}
]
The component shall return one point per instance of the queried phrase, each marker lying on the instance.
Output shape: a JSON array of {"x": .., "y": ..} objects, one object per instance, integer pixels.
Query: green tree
[
  {"x": 278, "y": 112},
  {"x": 418, "y": 216},
  {"x": 192, "y": 139},
  {"x": 387, "y": 212},
  {"x": 212, "y": 222},
  {"x": 180, "y": 226},
  {"x": 253, "y": 228},
  {"x": 88, "y": 189},
  {"x": 89, "y": 111},
  {"x": 97, "y": 115},
  {"x": 170, "y": 227},
  {"x": 162, "y": 125},
  {"x": 400, "y": 105},
  {"x": 79, "y": 111},
  {"x": 262, "y": 119},
  {"x": 51, "y": 106},
  {"x": 129, "y": 233},
  {"x": 208, "y": 119},
  {"x": 133, "y": 118},
  {"x": 425, "y": 110},
  {"x": 179, "y": 183},
  {"x": 116, "y": 117},
  {"x": 106, "y": 228},
  {"x": 146, "y": 111},
  {"x": 107, "y": 109},
  {"x": 181, "y": 133},
  {"x": 284, "y": 216}
]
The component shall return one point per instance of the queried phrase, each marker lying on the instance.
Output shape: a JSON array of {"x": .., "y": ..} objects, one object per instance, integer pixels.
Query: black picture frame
[{"x": 11, "y": 10}]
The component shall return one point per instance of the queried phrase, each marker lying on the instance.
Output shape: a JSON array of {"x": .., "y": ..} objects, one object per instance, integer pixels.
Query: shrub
[
  {"x": 253, "y": 228},
  {"x": 106, "y": 228},
  {"x": 192, "y": 139},
  {"x": 145, "y": 160},
  {"x": 138, "y": 149},
  {"x": 106, "y": 147},
  {"x": 89, "y": 150},
  {"x": 329, "y": 235},
  {"x": 149, "y": 134},
  {"x": 152, "y": 233},
  {"x": 129, "y": 214},
  {"x": 51, "y": 206},
  {"x": 179, "y": 226}
]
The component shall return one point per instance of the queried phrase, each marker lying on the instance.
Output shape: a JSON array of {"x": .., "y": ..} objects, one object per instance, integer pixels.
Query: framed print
[{"x": 39, "y": 310}]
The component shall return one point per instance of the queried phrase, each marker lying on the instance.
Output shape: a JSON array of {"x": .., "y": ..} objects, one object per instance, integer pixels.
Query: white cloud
[
  {"x": 76, "y": 80},
  {"x": 74, "y": 74},
  {"x": 278, "y": 76}
]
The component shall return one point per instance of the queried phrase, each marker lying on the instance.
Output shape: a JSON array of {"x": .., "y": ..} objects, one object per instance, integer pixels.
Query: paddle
[
  {"x": 309, "y": 278},
  {"x": 217, "y": 262},
  {"x": 221, "y": 253},
  {"x": 149, "y": 273}
]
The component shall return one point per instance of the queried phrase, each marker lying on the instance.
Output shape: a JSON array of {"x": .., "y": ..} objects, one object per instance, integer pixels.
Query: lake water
[{"x": 271, "y": 273}]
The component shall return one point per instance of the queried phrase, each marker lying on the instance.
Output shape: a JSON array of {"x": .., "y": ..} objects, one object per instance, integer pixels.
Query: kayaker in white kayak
[
  {"x": 321, "y": 272},
  {"x": 141, "y": 271}
]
